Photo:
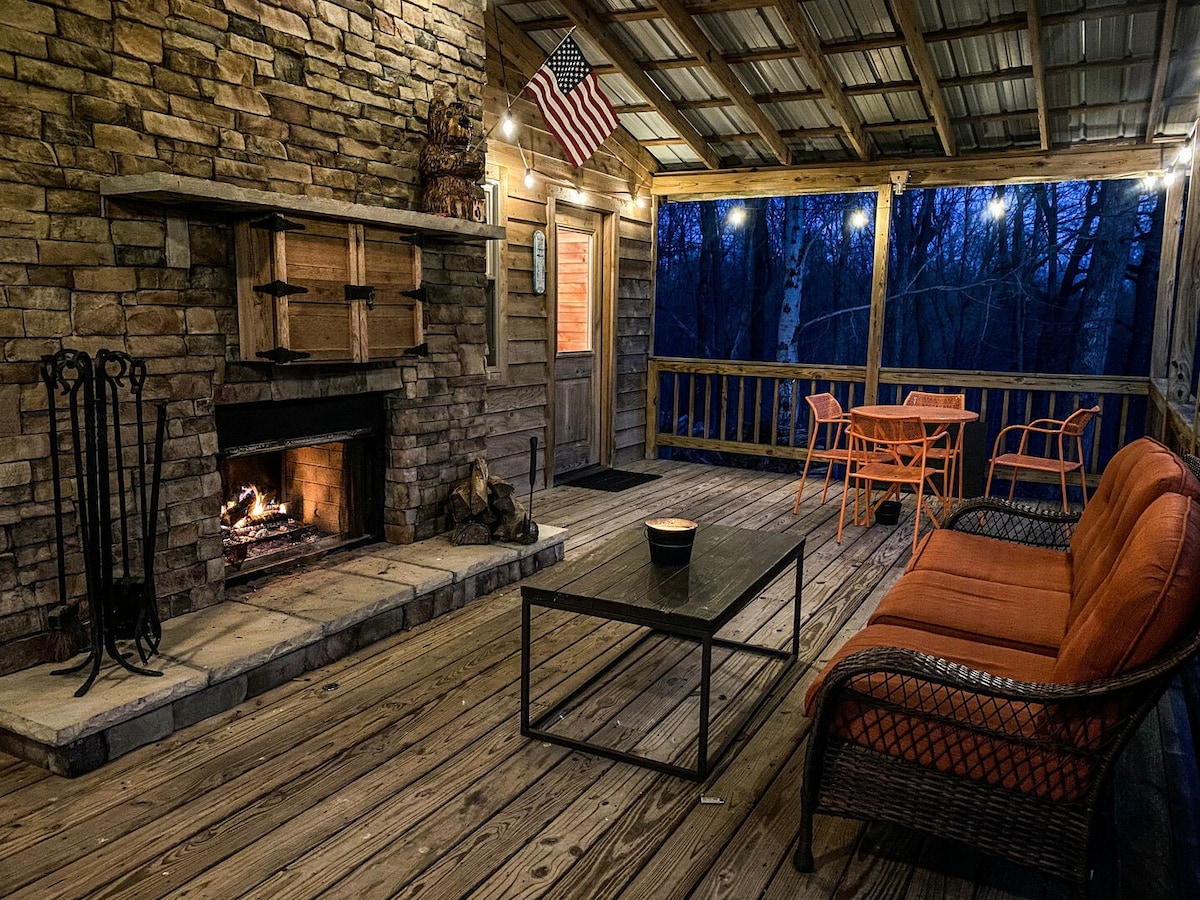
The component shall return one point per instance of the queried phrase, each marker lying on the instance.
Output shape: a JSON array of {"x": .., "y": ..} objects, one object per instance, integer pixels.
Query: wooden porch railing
[{"x": 759, "y": 408}]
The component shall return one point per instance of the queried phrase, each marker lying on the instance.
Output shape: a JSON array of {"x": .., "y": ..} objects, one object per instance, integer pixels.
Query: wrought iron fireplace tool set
[{"x": 116, "y": 494}]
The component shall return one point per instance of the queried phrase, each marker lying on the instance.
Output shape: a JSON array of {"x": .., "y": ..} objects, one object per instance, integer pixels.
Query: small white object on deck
[{"x": 711, "y": 801}]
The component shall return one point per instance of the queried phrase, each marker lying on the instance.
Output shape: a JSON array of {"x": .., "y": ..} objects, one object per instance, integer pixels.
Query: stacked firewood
[{"x": 485, "y": 508}]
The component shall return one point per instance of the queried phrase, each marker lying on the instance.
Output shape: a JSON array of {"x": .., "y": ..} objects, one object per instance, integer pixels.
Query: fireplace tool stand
[{"x": 116, "y": 493}]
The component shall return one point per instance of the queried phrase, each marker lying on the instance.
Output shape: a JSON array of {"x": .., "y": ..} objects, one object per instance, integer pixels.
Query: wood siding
[{"x": 517, "y": 407}]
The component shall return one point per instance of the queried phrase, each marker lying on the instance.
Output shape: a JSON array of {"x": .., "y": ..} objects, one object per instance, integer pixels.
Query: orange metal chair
[
  {"x": 827, "y": 416},
  {"x": 951, "y": 459},
  {"x": 894, "y": 451},
  {"x": 925, "y": 398},
  {"x": 1060, "y": 435}
]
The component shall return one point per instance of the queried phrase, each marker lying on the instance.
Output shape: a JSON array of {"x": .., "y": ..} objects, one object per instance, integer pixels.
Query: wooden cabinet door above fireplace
[{"x": 334, "y": 291}]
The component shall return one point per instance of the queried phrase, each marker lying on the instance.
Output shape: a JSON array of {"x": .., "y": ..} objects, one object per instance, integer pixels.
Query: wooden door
[{"x": 577, "y": 362}]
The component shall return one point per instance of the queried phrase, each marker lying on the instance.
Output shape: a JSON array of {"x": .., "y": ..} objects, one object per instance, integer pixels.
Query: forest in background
[{"x": 1055, "y": 278}]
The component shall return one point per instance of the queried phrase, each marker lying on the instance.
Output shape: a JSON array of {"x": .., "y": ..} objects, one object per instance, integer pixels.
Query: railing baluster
[
  {"x": 708, "y": 389},
  {"x": 725, "y": 406},
  {"x": 775, "y": 412},
  {"x": 692, "y": 404},
  {"x": 675, "y": 406},
  {"x": 741, "y": 408},
  {"x": 757, "y": 413},
  {"x": 795, "y": 407}
]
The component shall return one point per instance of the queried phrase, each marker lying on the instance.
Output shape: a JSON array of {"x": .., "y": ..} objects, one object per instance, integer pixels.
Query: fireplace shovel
[{"x": 530, "y": 534}]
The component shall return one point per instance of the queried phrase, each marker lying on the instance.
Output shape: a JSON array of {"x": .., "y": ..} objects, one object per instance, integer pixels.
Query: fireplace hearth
[{"x": 298, "y": 478}]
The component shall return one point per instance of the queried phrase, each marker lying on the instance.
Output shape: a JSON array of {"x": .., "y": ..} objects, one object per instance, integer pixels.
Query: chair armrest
[{"x": 1014, "y": 522}]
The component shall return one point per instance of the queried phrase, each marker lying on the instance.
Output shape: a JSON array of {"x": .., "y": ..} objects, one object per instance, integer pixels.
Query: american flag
[{"x": 569, "y": 96}]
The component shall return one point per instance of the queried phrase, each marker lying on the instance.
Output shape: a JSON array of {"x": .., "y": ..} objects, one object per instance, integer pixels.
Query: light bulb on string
[
  {"x": 737, "y": 216},
  {"x": 1149, "y": 183},
  {"x": 508, "y": 126},
  {"x": 1185, "y": 155},
  {"x": 997, "y": 208},
  {"x": 529, "y": 179},
  {"x": 858, "y": 219}
]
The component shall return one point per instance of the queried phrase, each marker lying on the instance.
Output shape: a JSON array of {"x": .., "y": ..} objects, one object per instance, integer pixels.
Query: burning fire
[{"x": 254, "y": 510}]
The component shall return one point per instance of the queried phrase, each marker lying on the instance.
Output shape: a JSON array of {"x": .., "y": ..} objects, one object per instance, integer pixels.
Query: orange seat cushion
[
  {"x": 1000, "y": 562},
  {"x": 1150, "y": 596},
  {"x": 1022, "y": 617},
  {"x": 1134, "y": 478}
]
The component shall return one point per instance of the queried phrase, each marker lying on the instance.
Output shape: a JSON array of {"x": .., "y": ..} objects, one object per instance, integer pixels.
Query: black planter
[{"x": 887, "y": 512}]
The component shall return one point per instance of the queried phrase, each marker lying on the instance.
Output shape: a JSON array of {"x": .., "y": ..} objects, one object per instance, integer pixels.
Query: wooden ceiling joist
[
  {"x": 587, "y": 22},
  {"x": 1010, "y": 168},
  {"x": 922, "y": 63},
  {"x": 1165, "y": 39},
  {"x": 1039, "y": 70},
  {"x": 806, "y": 39},
  {"x": 720, "y": 70}
]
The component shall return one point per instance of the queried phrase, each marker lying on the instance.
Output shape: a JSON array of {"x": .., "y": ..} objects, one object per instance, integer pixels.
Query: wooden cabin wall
[{"x": 518, "y": 403}]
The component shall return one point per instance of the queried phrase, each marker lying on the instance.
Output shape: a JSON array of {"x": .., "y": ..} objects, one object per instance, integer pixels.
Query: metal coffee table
[{"x": 730, "y": 567}]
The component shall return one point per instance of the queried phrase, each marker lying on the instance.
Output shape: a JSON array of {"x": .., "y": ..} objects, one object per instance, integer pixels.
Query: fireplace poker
[{"x": 530, "y": 534}]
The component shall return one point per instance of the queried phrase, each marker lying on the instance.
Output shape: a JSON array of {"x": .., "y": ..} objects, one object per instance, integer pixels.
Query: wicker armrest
[
  {"x": 1086, "y": 717},
  {"x": 1014, "y": 522}
]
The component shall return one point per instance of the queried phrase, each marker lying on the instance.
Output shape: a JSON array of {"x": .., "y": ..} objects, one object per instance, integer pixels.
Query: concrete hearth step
[{"x": 263, "y": 635}]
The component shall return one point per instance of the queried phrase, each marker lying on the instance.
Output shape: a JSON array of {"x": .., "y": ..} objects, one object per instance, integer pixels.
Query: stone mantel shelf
[{"x": 181, "y": 190}]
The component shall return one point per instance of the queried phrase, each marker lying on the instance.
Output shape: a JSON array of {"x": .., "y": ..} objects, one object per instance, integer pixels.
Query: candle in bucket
[{"x": 670, "y": 541}]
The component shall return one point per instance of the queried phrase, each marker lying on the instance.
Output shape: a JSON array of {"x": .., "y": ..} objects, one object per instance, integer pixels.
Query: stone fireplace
[
  {"x": 267, "y": 110},
  {"x": 298, "y": 478}
]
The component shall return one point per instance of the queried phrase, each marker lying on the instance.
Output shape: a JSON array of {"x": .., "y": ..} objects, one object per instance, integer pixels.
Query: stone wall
[{"x": 325, "y": 98}]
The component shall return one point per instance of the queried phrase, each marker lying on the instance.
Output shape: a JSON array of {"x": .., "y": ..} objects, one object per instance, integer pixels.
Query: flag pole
[{"x": 528, "y": 81}]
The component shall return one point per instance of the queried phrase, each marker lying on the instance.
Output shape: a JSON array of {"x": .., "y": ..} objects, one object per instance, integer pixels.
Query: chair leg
[
  {"x": 842, "y": 517},
  {"x": 987, "y": 490},
  {"x": 1083, "y": 484},
  {"x": 828, "y": 473},
  {"x": 803, "y": 479},
  {"x": 1012, "y": 485},
  {"x": 1062, "y": 479},
  {"x": 917, "y": 517}
]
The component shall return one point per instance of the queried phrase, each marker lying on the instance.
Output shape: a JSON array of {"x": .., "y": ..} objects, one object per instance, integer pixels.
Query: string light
[
  {"x": 858, "y": 219},
  {"x": 1150, "y": 182},
  {"x": 1169, "y": 178},
  {"x": 530, "y": 181},
  {"x": 997, "y": 208},
  {"x": 737, "y": 216},
  {"x": 1185, "y": 155},
  {"x": 508, "y": 126}
]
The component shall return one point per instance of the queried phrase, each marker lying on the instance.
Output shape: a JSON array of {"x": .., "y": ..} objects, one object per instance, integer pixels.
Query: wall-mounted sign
[{"x": 539, "y": 262}]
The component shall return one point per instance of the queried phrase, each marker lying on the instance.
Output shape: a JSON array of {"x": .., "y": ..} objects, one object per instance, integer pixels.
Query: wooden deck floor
[{"x": 400, "y": 771}]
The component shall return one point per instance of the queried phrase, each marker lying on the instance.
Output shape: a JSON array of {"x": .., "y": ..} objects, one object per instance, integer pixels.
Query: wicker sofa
[{"x": 999, "y": 678}]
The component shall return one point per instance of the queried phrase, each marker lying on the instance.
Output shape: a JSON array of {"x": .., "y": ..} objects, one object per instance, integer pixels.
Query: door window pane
[{"x": 574, "y": 290}]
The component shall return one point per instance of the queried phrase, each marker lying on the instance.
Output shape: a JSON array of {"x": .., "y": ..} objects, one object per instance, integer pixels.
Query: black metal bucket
[{"x": 670, "y": 541}]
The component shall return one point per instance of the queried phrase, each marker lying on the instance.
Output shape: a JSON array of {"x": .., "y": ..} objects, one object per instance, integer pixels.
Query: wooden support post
[
  {"x": 1168, "y": 265},
  {"x": 879, "y": 277},
  {"x": 1187, "y": 303},
  {"x": 652, "y": 408}
]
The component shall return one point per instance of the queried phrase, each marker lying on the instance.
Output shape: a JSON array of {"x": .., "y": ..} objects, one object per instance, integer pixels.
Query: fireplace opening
[{"x": 298, "y": 479}]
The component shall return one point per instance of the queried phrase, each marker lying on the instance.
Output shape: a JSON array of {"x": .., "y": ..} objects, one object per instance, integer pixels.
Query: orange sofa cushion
[
  {"x": 1149, "y": 597},
  {"x": 1134, "y": 478},
  {"x": 1022, "y": 617},
  {"x": 1001, "y": 562}
]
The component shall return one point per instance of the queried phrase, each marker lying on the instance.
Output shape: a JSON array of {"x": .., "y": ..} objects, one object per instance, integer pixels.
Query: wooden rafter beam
[
  {"x": 922, "y": 63},
  {"x": 805, "y": 38},
  {"x": 1012, "y": 168},
  {"x": 1165, "y": 39},
  {"x": 720, "y": 70},
  {"x": 587, "y": 22},
  {"x": 1039, "y": 70}
]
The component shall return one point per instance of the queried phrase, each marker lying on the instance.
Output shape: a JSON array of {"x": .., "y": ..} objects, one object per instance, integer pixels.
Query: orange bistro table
[{"x": 930, "y": 415}]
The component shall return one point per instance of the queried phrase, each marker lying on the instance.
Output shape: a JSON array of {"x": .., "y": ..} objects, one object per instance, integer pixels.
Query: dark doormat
[{"x": 607, "y": 480}]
